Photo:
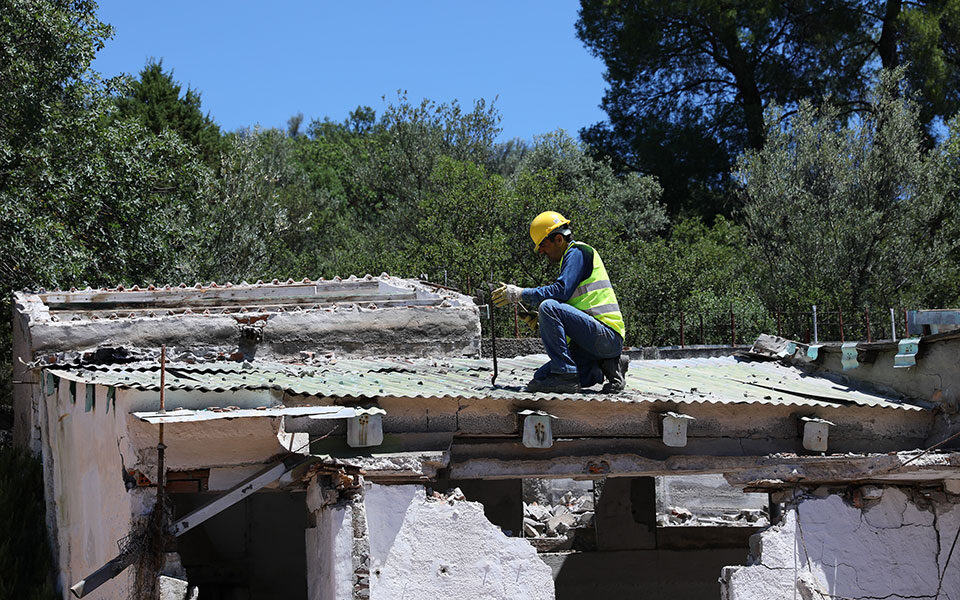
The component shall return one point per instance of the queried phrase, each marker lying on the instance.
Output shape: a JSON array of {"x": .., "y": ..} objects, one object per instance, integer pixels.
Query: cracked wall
[
  {"x": 895, "y": 547},
  {"x": 415, "y": 547}
]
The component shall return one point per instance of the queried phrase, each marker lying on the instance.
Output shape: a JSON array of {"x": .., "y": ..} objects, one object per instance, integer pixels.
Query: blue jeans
[{"x": 590, "y": 341}]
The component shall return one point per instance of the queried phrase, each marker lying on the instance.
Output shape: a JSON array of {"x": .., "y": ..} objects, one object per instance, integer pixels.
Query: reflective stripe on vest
[{"x": 594, "y": 295}]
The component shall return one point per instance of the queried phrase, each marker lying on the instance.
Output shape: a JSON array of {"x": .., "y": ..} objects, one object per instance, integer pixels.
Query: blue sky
[{"x": 259, "y": 63}]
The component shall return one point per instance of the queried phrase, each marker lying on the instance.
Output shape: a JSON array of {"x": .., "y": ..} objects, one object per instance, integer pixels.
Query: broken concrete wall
[
  {"x": 27, "y": 394},
  {"x": 895, "y": 547},
  {"x": 416, "y": 547},
  {"x": 933, "y": 378},
  {"x": 369, "y": 316},
  {"x": 85, "y": 451}
]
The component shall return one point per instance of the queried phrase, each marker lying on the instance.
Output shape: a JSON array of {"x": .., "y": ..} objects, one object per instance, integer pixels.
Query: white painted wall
[
  {"x": 329, "y": 544},
  {"x": 88, "y": 505},
  {"x": 893, "y": 549},
  {"x": 422, "y": 549}
]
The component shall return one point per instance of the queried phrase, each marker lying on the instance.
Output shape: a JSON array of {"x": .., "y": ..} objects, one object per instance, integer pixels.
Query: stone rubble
[
  {"x": 558, "y": 520},
  {"x": 679, "y": 516}
]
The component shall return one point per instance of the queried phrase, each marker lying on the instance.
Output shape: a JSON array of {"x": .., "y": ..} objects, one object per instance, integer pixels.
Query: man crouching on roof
[{"x": 579, "y": 318}]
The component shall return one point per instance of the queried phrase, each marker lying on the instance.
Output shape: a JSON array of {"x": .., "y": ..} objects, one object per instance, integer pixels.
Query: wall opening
[{"x": 254, "y": 550}]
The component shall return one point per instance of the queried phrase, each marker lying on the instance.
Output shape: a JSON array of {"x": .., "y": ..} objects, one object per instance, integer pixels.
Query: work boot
[
  {"x": 558, "y": 383},
  {"x": 615, "y": 370}
]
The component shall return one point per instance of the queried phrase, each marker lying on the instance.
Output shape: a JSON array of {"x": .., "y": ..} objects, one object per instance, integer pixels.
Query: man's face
[{"x": 552, "y": 247}]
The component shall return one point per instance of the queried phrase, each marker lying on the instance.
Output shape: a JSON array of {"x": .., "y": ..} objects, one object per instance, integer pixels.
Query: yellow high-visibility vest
[{"x": 594, "y": 295}]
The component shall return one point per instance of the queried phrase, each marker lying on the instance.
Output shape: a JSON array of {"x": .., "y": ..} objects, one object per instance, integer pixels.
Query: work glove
[
  {"x": 506, "y": 294},
  {"x": 530, "y": 319}
]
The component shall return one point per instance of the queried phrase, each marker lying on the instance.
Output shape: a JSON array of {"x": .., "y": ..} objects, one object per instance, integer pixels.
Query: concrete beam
[{"x": 738, "y": 470}]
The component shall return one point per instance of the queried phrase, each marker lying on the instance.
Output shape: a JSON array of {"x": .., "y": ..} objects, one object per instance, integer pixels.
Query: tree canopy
[
  {"x": 155, "y": 99},
  {"x": 689, "y": 81}
]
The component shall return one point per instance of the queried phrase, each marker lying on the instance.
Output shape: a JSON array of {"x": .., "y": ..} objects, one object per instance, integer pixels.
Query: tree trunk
[{"x": 889, "y": 34}]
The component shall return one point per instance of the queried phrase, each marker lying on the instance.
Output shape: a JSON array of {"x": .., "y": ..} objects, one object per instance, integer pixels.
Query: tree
[
  {"x": 849, "y": 214},
  {"x": 85, "y": 197},
  {"x": 690, "y": 80},
  {"x": 45, "y": 49},
  {"x": 252, "y": 208},
  {"x": 155, "y": 99}
]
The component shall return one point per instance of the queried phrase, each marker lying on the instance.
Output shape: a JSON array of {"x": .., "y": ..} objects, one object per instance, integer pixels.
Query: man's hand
[
  {"x": 530, "y": 319},
  {"x": 506, "y": 294}
]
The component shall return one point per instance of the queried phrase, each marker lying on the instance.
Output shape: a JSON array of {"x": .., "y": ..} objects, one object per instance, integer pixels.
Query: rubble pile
[
  {"x": 545, "y": 520},
  {"x": 450, "y": 496},
  {"x": 679, "y": 516}
]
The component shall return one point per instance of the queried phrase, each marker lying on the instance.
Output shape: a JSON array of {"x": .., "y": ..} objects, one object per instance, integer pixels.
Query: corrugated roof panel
[{"x": 713, "y": 380}]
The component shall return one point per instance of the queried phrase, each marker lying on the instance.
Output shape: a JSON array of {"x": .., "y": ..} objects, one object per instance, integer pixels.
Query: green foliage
[
  {"x": 25, "y": 565},
  {"x": 45, "y": 49},
  {"x": 697, "y": 270},
  {"x": 252, "y": 208},
  {"x": 86, "y": 197},
  {"x": 155, "y": 100},
  {"x": 849, "y": 215},
  {"x": 689, "y": 80}
]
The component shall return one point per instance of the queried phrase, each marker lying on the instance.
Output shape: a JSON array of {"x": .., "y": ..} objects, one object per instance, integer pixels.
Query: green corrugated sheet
[{"x": 714, "y": 380}]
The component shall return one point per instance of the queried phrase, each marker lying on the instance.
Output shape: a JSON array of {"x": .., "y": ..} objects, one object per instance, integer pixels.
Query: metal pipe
[
  {"x": 102, "y": 575},
  {"x": 816, "y": 335},
  {"x": 893, "y": 326},
  {"x": 866, "y": 311},
  {"x": 840, "y": 315},
  {"x": 906, "y": 324}
]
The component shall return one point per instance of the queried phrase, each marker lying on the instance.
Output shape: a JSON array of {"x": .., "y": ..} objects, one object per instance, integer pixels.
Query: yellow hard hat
[{"x": 543, "y": 224}]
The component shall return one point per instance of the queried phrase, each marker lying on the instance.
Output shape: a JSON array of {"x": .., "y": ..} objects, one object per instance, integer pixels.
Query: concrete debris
[
  {"x": 171, "y": 588},
  {"x": 747, "y": 517},
  {"x": 558, "y": 520},
  {"x": 451, "y": 496}
]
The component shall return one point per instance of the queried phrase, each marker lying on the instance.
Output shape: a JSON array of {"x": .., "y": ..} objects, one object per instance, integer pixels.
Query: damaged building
[{"x": 346, "y": 439}]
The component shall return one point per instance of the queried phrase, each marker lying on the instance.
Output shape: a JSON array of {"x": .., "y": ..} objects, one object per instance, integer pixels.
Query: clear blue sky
[{"x": 260, "y": 63}]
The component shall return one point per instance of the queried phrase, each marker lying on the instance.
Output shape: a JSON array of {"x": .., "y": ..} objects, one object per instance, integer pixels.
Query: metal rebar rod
[
  {"x": 840, "y": 316},
  {"x": 733, "y": 329},
  {"x": 816, "y": 334},
  {"x": 681, "y": 329},
  {"x": 161, "y": 447}
]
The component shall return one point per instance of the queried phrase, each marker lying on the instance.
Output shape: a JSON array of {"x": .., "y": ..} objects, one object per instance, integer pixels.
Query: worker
[{"x": 579, "y": 318}]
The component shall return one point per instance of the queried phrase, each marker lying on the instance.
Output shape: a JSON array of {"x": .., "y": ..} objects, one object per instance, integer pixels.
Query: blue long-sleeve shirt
[{"x": 573, "y": 272}]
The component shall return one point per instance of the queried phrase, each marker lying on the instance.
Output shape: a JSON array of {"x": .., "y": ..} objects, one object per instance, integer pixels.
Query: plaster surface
[
  {"x": 434, "y": 549},
  {"x": 88, "y": 506},
  {"x": 329, "y": 545},
  {"x": 419, "y": 548},
  {"x": 895, "y": 548}
]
